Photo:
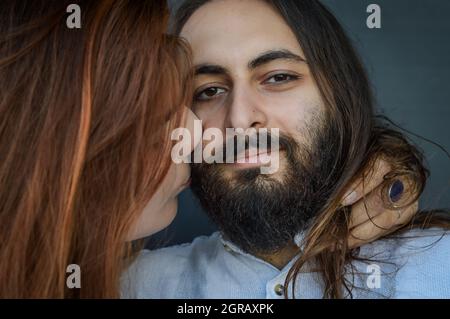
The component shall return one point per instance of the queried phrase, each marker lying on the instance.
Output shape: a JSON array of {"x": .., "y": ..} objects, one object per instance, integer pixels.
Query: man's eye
[
  {"x": 281, "y": 78},
  {"x": 209, "y": 93}
]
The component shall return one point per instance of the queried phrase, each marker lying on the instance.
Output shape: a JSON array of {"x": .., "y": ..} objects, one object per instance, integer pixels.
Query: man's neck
[{"x": 281, "y": 257}]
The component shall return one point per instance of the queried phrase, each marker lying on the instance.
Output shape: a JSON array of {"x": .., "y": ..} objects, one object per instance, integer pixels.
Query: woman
[{"x": 85, "y": 122}]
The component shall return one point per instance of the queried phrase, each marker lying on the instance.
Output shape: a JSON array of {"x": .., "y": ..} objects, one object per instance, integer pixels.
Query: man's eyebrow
[
  {"x": 266, "y": 57},
  {"x": 272, "y": 55},
  {"x": 210, "y": 69}
]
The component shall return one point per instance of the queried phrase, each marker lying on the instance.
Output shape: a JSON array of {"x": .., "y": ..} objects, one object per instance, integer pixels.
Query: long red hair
[{"x": 85, "y": 122}]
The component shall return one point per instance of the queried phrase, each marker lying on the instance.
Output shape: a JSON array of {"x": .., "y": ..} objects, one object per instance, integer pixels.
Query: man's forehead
[{"x": 221, "y": 37}]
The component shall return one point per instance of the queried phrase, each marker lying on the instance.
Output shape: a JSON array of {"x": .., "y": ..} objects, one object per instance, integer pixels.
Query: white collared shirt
[{"x": 211, "y": 267}]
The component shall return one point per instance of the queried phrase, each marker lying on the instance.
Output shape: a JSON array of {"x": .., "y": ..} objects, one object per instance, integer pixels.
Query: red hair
[{"x": 85, "y": 117}]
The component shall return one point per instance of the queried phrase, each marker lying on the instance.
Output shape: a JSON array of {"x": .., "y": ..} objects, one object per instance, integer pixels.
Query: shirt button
[{"x": 279, "y": 290}]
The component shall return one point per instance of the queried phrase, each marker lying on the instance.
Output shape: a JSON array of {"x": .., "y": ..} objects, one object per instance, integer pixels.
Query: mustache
[{"x": 236, "y": 146}]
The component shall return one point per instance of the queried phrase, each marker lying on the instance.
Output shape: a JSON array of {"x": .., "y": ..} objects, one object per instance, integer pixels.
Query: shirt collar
[
  {"x": 298, "y": 240},
  {"x": 231, "y": 247}
]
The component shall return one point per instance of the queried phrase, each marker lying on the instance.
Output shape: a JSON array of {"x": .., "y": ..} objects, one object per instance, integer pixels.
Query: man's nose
[{"x": 246, "y": 110}]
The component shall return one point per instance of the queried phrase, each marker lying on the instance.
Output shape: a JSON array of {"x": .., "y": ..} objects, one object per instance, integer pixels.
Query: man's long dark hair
[{"x": 363, "y": 137}]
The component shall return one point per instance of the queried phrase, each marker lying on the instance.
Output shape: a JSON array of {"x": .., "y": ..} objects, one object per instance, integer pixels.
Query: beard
[{"x": 263, "y": 213}]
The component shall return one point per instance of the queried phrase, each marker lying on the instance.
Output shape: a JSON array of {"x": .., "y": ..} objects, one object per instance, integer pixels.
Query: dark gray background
[{"x": 408, "y": 61}]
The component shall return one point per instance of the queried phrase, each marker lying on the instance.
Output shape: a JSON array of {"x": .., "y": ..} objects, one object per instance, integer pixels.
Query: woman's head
[{"x": 85, "y": 122}]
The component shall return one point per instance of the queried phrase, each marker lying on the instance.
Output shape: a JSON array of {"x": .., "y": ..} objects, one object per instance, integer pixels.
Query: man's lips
[
  {"x": 251, "y": 156},
  {"x": 253, "y": 159},
  {"x": 247, "y": 157}
]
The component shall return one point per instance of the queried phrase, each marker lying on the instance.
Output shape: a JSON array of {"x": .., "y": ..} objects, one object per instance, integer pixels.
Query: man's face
[{"x": 251, "y": 73}]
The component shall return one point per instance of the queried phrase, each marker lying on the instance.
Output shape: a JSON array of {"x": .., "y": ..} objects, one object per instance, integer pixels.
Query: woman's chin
[
  {"x": 168, "y": 214},
  {"x": 149, "y": 225}
]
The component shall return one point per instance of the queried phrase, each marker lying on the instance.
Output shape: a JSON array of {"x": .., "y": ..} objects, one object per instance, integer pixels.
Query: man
[{"x": 288, "y": 65}]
